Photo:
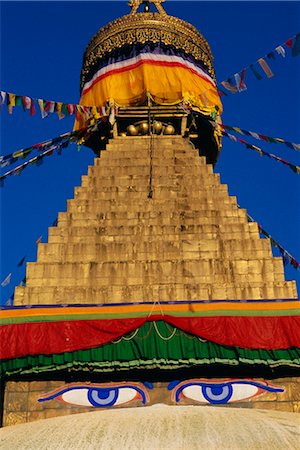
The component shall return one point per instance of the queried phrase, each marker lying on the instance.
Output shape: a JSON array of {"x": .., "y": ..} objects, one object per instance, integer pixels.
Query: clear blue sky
[{"x": 42, "y": 44}]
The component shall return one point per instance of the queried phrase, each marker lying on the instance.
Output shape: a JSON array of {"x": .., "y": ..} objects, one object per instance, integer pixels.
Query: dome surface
[{"x": 159, "y": 427}]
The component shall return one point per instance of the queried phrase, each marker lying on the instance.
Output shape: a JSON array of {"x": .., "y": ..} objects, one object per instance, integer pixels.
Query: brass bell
[
  {"x": 169, "y": 129},
  {"x": 157, "y": 127},
  {"x": 132, "y": 130},
  {"x": 122, "y": 134},
  {"x": 144, "y": 128}
]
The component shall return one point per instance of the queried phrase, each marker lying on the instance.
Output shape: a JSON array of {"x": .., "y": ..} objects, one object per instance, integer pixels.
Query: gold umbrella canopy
[{"x": 149, "y": 52}]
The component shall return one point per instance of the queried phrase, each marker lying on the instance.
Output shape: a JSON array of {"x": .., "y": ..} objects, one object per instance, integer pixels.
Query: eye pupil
[
  {"x": 217, "y": 390},
  {"x": 217, "y": 394},
  {"x": 103, "y": 394},
  {"x": 102, "y": 397}
]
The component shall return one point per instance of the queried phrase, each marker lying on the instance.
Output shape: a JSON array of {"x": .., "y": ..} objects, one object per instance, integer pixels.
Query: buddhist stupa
[{"x": 153, "y": 288}]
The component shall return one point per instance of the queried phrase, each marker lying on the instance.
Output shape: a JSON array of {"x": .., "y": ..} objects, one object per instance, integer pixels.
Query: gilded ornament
[
  {"x": 143, "y": 128},
  {"x": 132, "y": 130},
  {"x": 169, "y": 129},
  {"x": 147, "y": 27}
]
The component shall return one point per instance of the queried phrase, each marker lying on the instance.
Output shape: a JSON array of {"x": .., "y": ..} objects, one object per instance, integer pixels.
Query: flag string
[
  {"x": 262, "y": 137},
  {"x": 59, "y": 141},
  {"x": 293, "y": 167},
  {"x": 286, "y": 256},
  {"x": 48, "y": 107},
  {"x": 234, "y": 84},
  {"x": 22, "y": 282},
  {"x": 57, "y": 144}
]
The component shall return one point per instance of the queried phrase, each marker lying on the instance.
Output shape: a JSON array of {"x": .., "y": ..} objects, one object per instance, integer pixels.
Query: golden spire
[{"x": 134, "y": 4}]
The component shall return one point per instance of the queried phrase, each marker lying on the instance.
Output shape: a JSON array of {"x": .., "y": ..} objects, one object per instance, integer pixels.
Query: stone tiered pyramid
[{"x": 151, "y": 221}]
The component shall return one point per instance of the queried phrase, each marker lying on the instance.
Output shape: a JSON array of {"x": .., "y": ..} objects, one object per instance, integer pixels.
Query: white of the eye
[
  {"x": 125, "y": 395},
  {"x": 242, "y": 391},
  {"x": 194, "y": 392},
  {"x": 76, "y": 397}
]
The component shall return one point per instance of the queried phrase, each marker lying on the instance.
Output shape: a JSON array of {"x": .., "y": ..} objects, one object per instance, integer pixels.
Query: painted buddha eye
[
  {"x": 98, "y": 396},
  {"x": 216, "y": 392}
]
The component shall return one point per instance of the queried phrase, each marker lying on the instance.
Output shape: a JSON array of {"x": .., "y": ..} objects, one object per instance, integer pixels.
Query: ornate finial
[{"x": 134, "y": 4}]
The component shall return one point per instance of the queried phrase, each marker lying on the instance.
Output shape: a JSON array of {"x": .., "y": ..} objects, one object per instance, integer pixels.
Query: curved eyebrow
[
  {"x": 266, "y": 387},
  {"x": 59, "y": 391}
]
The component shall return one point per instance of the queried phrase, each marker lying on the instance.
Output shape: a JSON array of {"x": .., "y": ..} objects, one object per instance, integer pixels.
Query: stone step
[
  {"x": 105, "y": 233},
  {"x": 168, "y": 152},
  {"x": 141, "y": 272},
  {"x": 145, "y": 250},
  {"x": 157, "y": 170},
  {"x": 123, "y": 182},
  {"x": 93, "y": 207},
  {"x": 168, "y": 200},
  {"x": 159, "y": 190},
  {"x": 154, "y": 292},
  {"x": 94, "y": 216},
  {"x": 86, "y": 222}
]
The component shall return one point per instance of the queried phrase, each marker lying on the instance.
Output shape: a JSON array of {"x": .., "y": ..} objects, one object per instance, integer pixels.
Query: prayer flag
[
  {"x": 296, "y": 146},
  {"x": 6, "y": 281},
  {"x": 18, "y": 100},
  {"x": 41, "y": 105},
  {"x": 271, "y": 55},
  {"x": 47, "y": 106},
  {"x": 280, "y": 50},
  {"x": 289, "y": 43},
  {"x": 256, "y": 74},
  {"x": 32, "y": 108},
  {"x": 21, "y": 262},
  {"x": 2, "y": 98},
  {"x": 265, "y": 67},
  {"x": 221, "y": 92},
  {"x": 229, "y": 86},
  {"x": 240, "y": 81},
  {"x": 294, "y": 263},
  {"x": 39, "y": 239},
  {"x": 59, "y": 110},
  {"x": 26, "y": 102},
  {"x": 296, "y": 46},
  {"x": 285, "y": 256},
  {"x": 11, "y": 102},
  {"x": 10, "y": 301}
]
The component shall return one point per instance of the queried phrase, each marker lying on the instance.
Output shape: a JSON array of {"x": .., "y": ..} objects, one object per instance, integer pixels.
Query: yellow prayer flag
[
  {"x": 12, "y": 102},
  {"x": 59, "y": 112}
]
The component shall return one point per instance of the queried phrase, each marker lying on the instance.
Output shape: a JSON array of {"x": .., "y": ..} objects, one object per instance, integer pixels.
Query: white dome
[{"x": 159, "y": 427}]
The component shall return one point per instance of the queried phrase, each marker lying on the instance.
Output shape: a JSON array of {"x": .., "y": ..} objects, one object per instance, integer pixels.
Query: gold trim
[{"x": 147, "y": 27}]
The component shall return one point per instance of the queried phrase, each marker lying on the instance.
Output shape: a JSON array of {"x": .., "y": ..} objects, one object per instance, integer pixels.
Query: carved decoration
[{"x": 147, "y": 27}]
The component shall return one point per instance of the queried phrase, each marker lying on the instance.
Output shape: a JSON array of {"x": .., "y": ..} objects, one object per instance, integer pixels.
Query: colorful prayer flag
[
  {"x": 21, "y": 262},
  {"x": 256, "y": 74},
  {"x": 230, "y": 86},
  {"x": 6, "y": 281},
  {"x": 41, "y": 105},
  {"x": 11, "y": 102},
  {"x": 296, "y": 45},
  {"x": 280, "y": 50},
  {"x": 265, "y": 67},
  {"x": 2, "y": 98}
]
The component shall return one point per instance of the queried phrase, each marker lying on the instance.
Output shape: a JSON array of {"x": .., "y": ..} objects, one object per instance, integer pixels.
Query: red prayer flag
[{"x": 289, "y": 42}]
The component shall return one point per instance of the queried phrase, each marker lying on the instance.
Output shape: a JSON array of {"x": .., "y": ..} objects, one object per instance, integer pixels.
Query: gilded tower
[{"x": 153, "y": 287}]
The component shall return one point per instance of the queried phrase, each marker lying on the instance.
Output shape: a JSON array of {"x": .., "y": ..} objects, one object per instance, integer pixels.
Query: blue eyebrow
[
  {"x": 148, "y": 385},
  {"x": 173, "y": 384}
]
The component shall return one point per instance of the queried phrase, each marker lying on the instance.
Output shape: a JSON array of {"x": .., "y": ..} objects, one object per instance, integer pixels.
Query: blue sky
[{"x": 42, "y": 44}]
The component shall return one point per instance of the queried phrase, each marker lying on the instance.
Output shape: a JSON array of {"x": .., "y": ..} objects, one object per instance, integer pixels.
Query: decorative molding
[{"x": 147, "y": 27}]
